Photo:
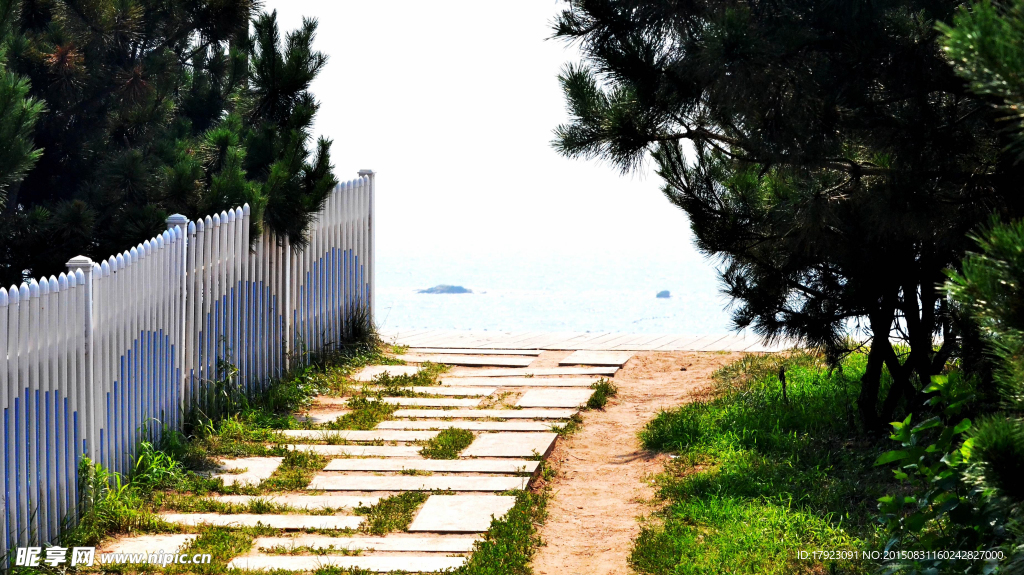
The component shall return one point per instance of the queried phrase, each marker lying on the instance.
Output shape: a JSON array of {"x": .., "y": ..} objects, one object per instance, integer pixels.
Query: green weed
[
  {"x": 391, "y": 513},
  {"x": 295, "y": 472},
  {"x": 365, "y": 414},
  {"x": 447, "y": 444},
  {"x": 510, "y": 542},
  {"x": 603, "y": 389}
]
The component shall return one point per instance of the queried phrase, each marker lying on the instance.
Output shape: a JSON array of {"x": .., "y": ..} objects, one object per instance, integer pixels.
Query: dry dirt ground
[{"x": 603, "y": 475}]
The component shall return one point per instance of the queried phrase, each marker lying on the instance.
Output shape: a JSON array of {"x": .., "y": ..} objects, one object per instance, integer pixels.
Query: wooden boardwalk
[{"x": 603, "y": 341}]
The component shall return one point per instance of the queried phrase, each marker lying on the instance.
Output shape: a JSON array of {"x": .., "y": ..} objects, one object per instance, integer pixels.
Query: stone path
[{"x": 511, "y": 411}]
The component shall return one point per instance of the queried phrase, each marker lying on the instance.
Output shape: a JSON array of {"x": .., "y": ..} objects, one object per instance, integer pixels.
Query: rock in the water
[
  {"x": 664, "y": 294},
  {"x": 445, "y": 289}
]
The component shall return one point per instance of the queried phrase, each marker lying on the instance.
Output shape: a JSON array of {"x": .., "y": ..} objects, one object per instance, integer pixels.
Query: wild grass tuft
[
  {"x": 572, "y": 426},
  {"x": 295, "y": 472},
  {"x": 390, "y": 514},
  {"x": 603, "y": 389},
  {"x": 447, "y": 444},
  {"x": 366, "y": 414},
  {"x": 759, "y": 478},
  {"x": 510, "y": 542}
]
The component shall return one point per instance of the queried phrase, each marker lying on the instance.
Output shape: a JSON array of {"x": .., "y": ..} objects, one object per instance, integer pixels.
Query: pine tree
[
  {"x": 986, "y": 44},
  {"x": 154, "y": 108},
  {"x": 19, "y": 113},
  {"x": 826, "y": 151}
]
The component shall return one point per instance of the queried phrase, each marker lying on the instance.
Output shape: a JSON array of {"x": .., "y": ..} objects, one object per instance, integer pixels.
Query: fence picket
[{"x": 114, "y": 352}]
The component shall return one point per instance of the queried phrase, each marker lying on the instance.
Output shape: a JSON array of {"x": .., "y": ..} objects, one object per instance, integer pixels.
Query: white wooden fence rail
[{"x": 108, "y": 354}]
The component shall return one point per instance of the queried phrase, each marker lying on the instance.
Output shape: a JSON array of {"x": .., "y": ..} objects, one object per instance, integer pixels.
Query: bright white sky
[{"x": 453, "y": 103}]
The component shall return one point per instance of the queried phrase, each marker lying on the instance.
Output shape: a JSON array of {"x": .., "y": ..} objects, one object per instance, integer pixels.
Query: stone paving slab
[
  {"x": 510, "y": 445},
  {"x": 415, "y": 483},
  {"x": 433, "y": 401},
  {"x": 436, "y": 465},
  {"x": 371, "y": 371},
  {"x": 469, "y": 425},
  {"x": 469, "y": 360},
  {"x": 520, "y": 381},
  {"x": 479, "y": 413},
  {"x": 358, "y": 435},
  {"x": 571, "y": 397},
  {"x": 168, "y": 543},
  {"x": 461, "y": 513},
  {"x": 373, "y": 563},
  {"x": 360, "y": 450},
  {"x": 390, "y": 543},
  {"x": 256, "y": 470},
  {"x": 304, "y": 501},
  {"x": 412, "y": 401},
  {"x": 473, "y": 351},
  {"x": 320, "y": 417},
  {"x": 447, "y": 390},
  {"x": 604, "y": 358},
  {"x": 275, "y": 521},
  {"x": 452, "y": 390},
  {"x": 524, "y": 371}
]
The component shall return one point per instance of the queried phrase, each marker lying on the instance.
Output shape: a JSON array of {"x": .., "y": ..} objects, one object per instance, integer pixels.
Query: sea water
[{"x": 550, "y": 292}]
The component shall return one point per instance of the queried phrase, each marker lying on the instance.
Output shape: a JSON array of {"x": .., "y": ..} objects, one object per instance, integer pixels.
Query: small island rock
[
  {"x": 445, "y": 289},
  {"x": 664, "y": 294}
]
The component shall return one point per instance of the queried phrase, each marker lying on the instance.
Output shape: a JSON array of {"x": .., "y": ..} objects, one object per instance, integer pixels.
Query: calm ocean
[{"x": 586, "y": 292}]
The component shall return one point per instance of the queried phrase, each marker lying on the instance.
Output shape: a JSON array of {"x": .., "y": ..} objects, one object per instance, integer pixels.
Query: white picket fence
[{"x": 109, "y": 354}]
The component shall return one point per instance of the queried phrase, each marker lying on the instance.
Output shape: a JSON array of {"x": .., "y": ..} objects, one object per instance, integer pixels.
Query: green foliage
[
  {"x": 935, "y": 510},
  {"x": 603, "y": 389},
  {"x": 510, "y": 542},
  {"x": 108, "y": 505},
  {"x": 150, "y": 109},
  {"x": 986, "y": 46},
  {"x": 447, "y": 444},
  {"x": 392, "y": 513},
  {"x": 830, "y": 178},
  {"x": 757, "y": 479}
]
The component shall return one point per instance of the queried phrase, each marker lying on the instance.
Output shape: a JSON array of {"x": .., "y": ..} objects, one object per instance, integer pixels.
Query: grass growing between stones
[
  {"x": 571, "y": 427},
  {"x": 511, "y": 541},
  {"x": 447, "y": 444},
  {"x": 391, "y": 514},
  {"x": 603, "y": 389},
  {"x": 365, "y": 414},
  {"x": 295, "y": 472},
  {"x": 759, "y": 478}
]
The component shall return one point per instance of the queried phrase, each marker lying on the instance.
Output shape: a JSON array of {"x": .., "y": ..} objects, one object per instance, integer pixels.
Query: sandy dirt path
[{"x": 603, "y": 476}]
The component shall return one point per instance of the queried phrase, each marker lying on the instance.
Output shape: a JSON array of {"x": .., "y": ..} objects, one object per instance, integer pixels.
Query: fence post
[
  {"x": 371, "y": 250},
  {"x": 90, "y": 432},
  {"x": 287, "y": 304},
  {"x": 181, "y": 222}
]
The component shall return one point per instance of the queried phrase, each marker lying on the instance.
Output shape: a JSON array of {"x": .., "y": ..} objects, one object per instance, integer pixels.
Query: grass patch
[
  {"x": 758, "y": 478},
  {"x": 603, "y": 389},
  {"x": 295, "y": 472},
  {"x": 447, "y": 444},
  {"x": 510, "y": 543},
  {"x": 390, "y": 514},
  {"x": 365, "y": 414}
]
